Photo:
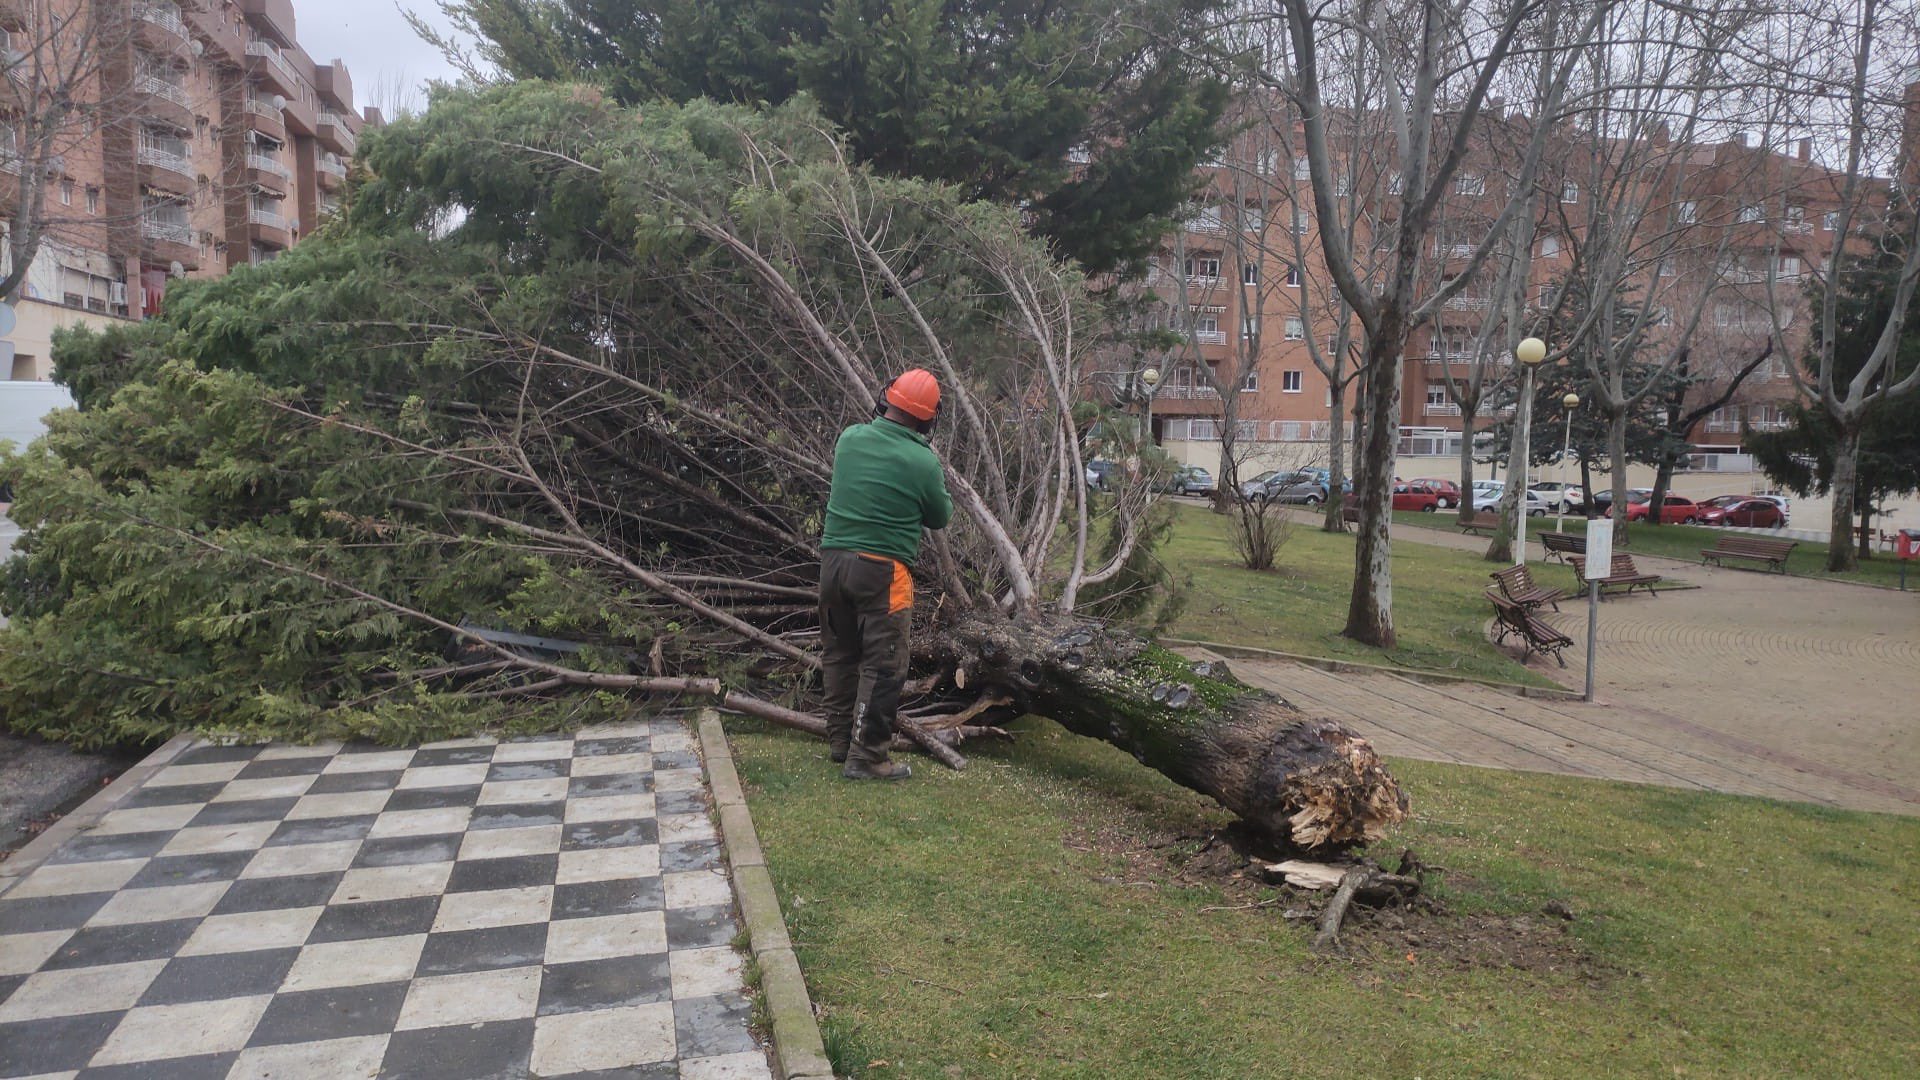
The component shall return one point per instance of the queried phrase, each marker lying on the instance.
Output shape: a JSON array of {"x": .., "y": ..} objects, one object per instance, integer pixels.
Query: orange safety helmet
[{"x": 916, "y": 393}]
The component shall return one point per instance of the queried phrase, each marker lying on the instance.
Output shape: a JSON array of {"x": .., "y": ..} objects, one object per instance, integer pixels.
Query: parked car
[
  {"x": 1100, "y": 474},
  {"x": 1677, "y": 508},
  {"x": 1744, "y": 511},
  {"x": 1603, "y": 499},
  {"x": 1448, "y": 491},
  {"x": 1188, "y": 480},
  {"x": 1324, "y": 477},
  {"x": 1780, "y": 500},
  {"x": 1560, "y": 496},
  {"x": 1488, "y": 501},
  {"x": 1293, "y": 487},
  {"x": 1416, "y": 496}
]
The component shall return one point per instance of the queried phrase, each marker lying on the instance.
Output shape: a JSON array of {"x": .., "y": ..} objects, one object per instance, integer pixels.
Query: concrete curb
[
  {"x": 799, "y": 1050},
  {"x": 1342, "y": 667},
  {"x": 87, "y": 814}
]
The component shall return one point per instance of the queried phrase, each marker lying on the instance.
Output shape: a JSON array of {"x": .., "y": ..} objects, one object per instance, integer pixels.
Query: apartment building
[
  {"x": 206, "y": 139},
  {"x": 1727, "y": 231}
]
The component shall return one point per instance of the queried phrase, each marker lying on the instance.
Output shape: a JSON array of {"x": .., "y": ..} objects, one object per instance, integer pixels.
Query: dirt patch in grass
[{"x": 1433, "y": 930}]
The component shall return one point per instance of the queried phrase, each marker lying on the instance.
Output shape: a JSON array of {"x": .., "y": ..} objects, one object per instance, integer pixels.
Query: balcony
[
  {"x": 165, "y": 169},
  {"x": 331, "y": 175},
  {"x": 333, "y": 129},
  {"x": 274, "y": 16},
  {"x": 268, "y": 227},
  {"x": 1469, "y": 303},
  {"x": 1210, "y": 337},
  {"x": 1433, "y": 408},
  {"x": 266, "y": 171},
  {"x": 158, "y": 26},
  {"x": 1207, "y": 282},
  {"x": 270, "y": 65},
  {"x": 165, "y": 242},
  {"x": 164, "y": 101},
  {"x": 264, "y": 118},
  {"x": 1186, "y": 393}
]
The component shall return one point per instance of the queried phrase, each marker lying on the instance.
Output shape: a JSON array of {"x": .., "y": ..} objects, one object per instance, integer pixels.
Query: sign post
[{"x": 1599, "y": 565}]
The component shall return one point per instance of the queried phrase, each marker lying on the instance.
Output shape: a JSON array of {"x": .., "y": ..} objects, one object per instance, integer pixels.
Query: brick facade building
[
  {"x": 214, "y": 141},
  {"x": 1727, "y": 232}
]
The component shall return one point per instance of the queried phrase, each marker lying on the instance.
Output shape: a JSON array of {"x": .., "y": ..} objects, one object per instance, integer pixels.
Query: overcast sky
[{"x": 373, "y": 38}]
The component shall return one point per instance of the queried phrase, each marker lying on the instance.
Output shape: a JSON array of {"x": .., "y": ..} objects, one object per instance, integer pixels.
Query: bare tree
[{"x": 1437, "y": 65}]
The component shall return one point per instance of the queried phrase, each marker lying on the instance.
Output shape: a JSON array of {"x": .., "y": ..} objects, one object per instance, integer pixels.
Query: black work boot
[
  {"x": 837, "y": 751},
  {"x": 876, "y": 770}
]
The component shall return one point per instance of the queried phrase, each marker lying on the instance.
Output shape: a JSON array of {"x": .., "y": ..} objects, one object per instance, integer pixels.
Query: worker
[{"x": 887, "y": 486}]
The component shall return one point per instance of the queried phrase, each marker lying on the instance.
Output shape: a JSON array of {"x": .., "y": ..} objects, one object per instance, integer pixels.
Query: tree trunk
[
  {"x": 1588, "y": 504},
  {"x": 1335, "y": 518},
  {"x": 1370, "y": 606},
  {"x": 1662, "y": 480},
  {"x": 1312, "y": 783},
  {"x": 1841, "y": 554},
  {"x": 1617, "y": 458},
  {"x": 1466, "y": 462}
]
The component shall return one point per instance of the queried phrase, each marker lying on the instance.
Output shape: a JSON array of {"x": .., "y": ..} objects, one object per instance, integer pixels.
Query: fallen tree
[{"x": 576, "y": 371}]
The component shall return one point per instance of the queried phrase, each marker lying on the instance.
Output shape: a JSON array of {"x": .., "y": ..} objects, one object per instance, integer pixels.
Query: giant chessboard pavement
[{"x": 550, "y": 907}]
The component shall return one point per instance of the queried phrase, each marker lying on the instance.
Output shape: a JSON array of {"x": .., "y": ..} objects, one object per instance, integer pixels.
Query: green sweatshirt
[{"x": 886, "y": 485}]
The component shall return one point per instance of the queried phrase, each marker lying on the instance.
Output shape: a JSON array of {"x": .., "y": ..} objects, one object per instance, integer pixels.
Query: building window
[
  {"x": 1687, "y": 213},
  {"x": 1396, "y": 184},
  {"x": 1251, "y": 384},
  {"x": 1290, "y": 382},
  {"x": 1830, "y": 220},
  {"x": 1302, "y": 219},
  {"x": 1569, "y": 192},
  {"x": 1250, "y": 327},
  {"x": 1549, "y": 247},
  {"x": 1470, "y": 184},
  {"x": 1296, "y": 328},
  {"x": 66, "y": 193},
  {"x": 1293, "y": 277},
  {"x": 1207, "y": 221},
  {"x": 93, "y": 199},
  {"x": 1436, "y": 395},
  {"x": 1796, "y": 215},
  {"x": 1302, "y": 169},
  {"x": 1250, "y": 273},
  {"x": 1749, "y": 212},
  {"x": 1203, "y": 268},
  {"x": 1667, "y": 268},
  {"x": 1252, "y": 220}
]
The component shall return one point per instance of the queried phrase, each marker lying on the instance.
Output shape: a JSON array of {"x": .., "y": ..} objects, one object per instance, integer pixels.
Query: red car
[
  {"x": 1684, "y": 511},
  {"x": 1745, "y": 511},
  {"x": 1415, "y": 496},
  {"x": 1448, "y": 491}
]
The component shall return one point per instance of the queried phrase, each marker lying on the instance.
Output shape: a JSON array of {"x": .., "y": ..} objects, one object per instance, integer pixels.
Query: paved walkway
[
  {"x": 1753, "y": 683},
  {"x": 542, "y": 908}
]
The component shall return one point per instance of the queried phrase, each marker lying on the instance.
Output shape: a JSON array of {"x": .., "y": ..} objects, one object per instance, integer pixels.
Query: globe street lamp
[
  {"x": 1529, "y": 352},
  {"x": 1572, "y": 402},
  {"x": 1150, "y": 378}
]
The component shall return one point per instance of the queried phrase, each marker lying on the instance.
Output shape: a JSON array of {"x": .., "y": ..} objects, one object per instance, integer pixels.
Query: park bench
[
  {"x": 1623, "y": 575},
  {"x": 1518, "y": 585},
  {"x": 1560, "y": 545},
  {"x": 1754, "y": 548},
  {"x": 1350, "y": 514},
  {"x": 1479, "y": 526},
  {"x": 1516, "y": 620}
]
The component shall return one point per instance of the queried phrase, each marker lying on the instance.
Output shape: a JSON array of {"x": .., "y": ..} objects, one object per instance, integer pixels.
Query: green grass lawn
[
  {"x": 1439, "y": 612},
  {"x": 1685, "y": 541},
  {"x": 1009, "y": 921}
]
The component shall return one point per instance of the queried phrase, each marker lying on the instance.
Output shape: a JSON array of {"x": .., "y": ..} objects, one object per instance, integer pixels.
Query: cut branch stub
[{"x": 1311, "y": 782}]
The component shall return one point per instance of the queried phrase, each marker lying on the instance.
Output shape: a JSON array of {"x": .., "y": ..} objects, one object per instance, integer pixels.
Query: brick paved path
[{"x": 541, "y": 908}]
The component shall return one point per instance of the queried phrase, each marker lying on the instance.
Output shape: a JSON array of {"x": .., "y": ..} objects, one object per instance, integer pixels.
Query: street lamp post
[
  {"x": 1529, "y": 352},
  {"x": 1572, "y": 402},
  {"x": 1150, "y": 378}
]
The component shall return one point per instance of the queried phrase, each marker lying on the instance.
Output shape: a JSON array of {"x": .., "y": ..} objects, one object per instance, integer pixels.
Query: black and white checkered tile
[{"x": 543, "y": 908}]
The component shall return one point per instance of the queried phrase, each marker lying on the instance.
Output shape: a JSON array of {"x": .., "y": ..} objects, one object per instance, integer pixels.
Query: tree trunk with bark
[
  {"x": 1466, "y": 462},
  {"x": 1310, "y": 782},
  {"x": 1617, "y": 455},
  {"x": 1334, "y": 520},
  {"x": 1841, "y": 554},
  {"x": 1370, "y": 608}
]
